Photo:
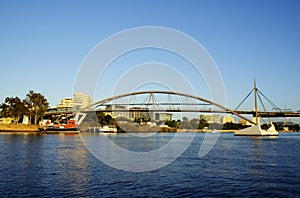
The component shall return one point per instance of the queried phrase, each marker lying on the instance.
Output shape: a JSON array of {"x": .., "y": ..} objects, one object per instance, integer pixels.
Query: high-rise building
[{"x": 81, "y": 100}]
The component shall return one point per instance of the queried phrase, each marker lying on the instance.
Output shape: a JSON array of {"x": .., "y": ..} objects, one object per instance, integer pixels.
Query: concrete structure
[
  {"x": 227, "y": 118},
  {"x": 212, "y": 118},
  {"x": 139, "y": 113},
  {"x": 65, "y": 103},
  {"x": 244, "y": 122},
  {"x": 117, "y": 114},
  {"x": 81, "y": 100},
  {"x": 163, "y": 116}
]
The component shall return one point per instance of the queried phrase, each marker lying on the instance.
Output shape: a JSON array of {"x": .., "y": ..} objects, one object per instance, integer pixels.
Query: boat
[
  {"x": 256, "y": 129},
  {"x": 70, "y": 126},
  {"x": 215, "y": 131},
  {"x": 108, "y": 129}
]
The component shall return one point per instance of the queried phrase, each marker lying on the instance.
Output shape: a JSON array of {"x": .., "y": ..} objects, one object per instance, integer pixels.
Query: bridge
[{"x": 158, "y": 101}]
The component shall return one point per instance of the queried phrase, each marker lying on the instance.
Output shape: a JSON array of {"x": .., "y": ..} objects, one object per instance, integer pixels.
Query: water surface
[{"x": 61, "y": 166}]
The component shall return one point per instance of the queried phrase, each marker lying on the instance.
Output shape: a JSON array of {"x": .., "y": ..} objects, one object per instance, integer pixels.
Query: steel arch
[{"x": 170, "y": 93}]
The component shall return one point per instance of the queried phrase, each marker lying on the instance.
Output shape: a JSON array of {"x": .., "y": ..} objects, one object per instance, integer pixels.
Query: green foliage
[
  {"x": 185, "y": 123},
  {"x": 233, "y": 126},
  {"x": 294, "y": 127},
  {"x": 280, "y": 126},
  {"x": 37, "y": 105},
  {"x": 34, "y": 106},
  {"x": 13, "y": 107},
  {"x": 105, "y": 119},
  {"x": 194, "y": 123},
  {"x": 202, "y": 124},
  {"x": 172, "y": 124}
]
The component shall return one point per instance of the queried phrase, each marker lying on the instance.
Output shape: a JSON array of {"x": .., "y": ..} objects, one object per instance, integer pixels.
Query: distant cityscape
[
  {"x": 110, "y": 114},
  {"x": 81, "y": 100}
]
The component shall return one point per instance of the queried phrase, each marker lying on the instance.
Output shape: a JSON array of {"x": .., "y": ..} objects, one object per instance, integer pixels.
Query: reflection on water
[
  {"x": 43, "y": 164},
  {"x": 60, "y": 165}
]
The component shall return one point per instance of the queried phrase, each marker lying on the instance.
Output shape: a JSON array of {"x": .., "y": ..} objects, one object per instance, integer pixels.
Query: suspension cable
[
  {"x": 262, "y": 104},
  {"x": 274, "y": 106},
  {"x": 243, "y": 100}
]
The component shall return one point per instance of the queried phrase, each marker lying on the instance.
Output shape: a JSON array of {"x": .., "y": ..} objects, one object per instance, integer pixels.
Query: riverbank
[{"x": 20, "y": 128}]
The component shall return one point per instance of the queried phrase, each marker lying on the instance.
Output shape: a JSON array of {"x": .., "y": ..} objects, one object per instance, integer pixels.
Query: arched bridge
[
  {"x": 169, "y": 101},
  {"x": 160, "y": 101}
]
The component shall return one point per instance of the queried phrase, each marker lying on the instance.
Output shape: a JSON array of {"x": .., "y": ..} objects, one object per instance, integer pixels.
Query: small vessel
[
  {"x": 69, "y": 126},
  {"x": 256, "y": 129},
  {"x": 108, "y": 129},
  {"x": 215, "y": 131}
]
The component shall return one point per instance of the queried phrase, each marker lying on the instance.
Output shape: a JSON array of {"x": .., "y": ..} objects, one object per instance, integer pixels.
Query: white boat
[
  {"x": 108, "y": 129},
  {"x": 215, "y": 131},
  {"x": 256, "y": 129}
]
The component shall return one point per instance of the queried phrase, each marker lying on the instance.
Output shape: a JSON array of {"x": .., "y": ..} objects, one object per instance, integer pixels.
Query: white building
[
  {"x": 214, "y": 118},
  {"x": 139, "y": 112},
  {"x": 227, "y": 118},
  {"x": 116, "y": 111},
  {"x": 81, "y": 100},
  {"x": 163, "y": 116},
  {"x": 65, "y": 103}
]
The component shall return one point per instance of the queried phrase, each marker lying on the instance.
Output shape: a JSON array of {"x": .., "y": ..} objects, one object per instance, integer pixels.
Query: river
[{"x": 61, "y": 166}]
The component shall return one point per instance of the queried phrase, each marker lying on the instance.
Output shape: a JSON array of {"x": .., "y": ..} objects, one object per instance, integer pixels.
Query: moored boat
[
  {"x": 70, "y": 126},
  {"x": 108, "y": 129}
]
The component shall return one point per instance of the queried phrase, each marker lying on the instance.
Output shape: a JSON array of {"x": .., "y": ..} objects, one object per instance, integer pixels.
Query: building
[
  {"x": 139, "y": 112},
  {"x": 81, "y": 100},
  {"x": 244, "y": 122},
  {"x": 163, "y": 116},
  {"x": 206, "y": 117},
  {"x": 214, "y": 118},
  {"x": 227, "y": 118},
  {"x": 65, "y": 103},
  {"x": 120, "y": 111}
]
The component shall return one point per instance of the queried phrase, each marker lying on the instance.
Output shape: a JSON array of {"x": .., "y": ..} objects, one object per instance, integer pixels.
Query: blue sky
[{"x": 43, "y": 43}]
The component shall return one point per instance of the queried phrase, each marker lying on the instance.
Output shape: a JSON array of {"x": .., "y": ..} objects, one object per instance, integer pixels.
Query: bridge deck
[{"x": 262, "y": 114}]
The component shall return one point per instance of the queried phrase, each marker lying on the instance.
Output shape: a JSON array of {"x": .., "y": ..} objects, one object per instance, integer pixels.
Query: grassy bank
[{"x": 18, "y": 128}]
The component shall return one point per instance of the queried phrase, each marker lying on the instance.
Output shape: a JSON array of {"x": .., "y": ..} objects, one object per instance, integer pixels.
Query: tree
[
  {"x": 105, "y": 119},
  {"x": 233, "y": 126},
  {"x": 37, "y": 105},
  {"x": 185, "y": 124},
  {"x": 194, "y": 123},
  {"x": 202, "y": 124},
  {"x": 13, "y": 107},
  {"x": 173, "y": 123}
]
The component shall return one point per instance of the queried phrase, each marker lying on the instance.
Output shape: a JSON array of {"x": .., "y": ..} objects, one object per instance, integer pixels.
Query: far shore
[
  {"x": 205, "y": 131},
  {"x": 22, "y": 128}
]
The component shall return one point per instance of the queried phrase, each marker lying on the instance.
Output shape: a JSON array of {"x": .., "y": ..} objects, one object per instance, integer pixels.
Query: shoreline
[
  {"x": 18, "y": 128},
  {"x": 34, "y": 129}
]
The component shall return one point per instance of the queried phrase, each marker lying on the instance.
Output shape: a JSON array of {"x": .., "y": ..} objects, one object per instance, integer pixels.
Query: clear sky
[{"x": 42, "y": 43}]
